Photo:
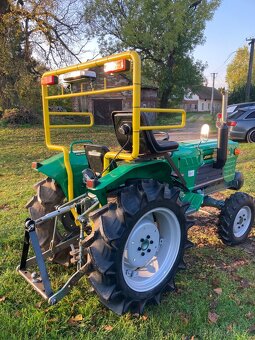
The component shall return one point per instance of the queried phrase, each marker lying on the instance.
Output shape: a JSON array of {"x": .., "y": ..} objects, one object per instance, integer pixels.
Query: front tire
[
  {"x": 236, "y": 219},
  {"x": 139, "y": 242}
]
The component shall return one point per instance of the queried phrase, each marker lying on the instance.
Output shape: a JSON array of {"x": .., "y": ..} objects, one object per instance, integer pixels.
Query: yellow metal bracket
[{"x": 135, "y": 87}]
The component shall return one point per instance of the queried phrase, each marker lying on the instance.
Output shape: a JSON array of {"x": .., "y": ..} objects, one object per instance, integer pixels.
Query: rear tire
[
  {"x": 139, "y": 242},
  {"x": 236, "y": 219}
]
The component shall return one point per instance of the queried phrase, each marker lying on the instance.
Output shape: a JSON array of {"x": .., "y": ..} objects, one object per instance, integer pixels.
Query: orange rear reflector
[
  {"x": 49, "y": 80},
  {"x": 92, "y": 183},
  {"x": 36, "y": 165},
  {"x": 237, "y": 152},
  {"x": 121, "y": 65}
]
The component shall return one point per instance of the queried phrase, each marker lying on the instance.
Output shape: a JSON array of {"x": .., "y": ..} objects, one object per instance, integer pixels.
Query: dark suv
[
  {"x": 242, "y": 125},
  {"x": 234, "y": 107}
]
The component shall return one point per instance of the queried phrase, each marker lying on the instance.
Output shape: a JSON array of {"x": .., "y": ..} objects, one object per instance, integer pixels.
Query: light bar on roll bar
[{"x": 120, "y": 65}]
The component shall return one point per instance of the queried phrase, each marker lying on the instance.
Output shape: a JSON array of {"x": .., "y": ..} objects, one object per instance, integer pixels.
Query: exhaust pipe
[{"x": 222, "y": 147}]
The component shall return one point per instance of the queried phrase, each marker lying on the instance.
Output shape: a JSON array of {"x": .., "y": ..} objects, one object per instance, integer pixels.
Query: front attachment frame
[{"x": 41, "y": 281}]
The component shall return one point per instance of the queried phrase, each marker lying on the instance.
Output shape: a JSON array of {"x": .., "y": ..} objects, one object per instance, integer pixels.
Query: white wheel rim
[
  {"x": 151, "y": 249},
  {"x": 242, "y": 221}
]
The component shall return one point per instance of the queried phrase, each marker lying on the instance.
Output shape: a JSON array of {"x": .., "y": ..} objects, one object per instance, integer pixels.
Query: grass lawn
[{"x": 215, "y": 297}]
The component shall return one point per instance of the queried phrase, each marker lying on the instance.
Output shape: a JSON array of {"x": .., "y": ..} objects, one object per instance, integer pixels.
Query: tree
[
  {"x": 33, "y": 35},
  {"x": 52, "y": 30},
  {"x": 237, "y": 95},
  {"x": 15, "y": 70},
  {"x": 164, "y": 32},
  {"x": 237, "y": 70}
]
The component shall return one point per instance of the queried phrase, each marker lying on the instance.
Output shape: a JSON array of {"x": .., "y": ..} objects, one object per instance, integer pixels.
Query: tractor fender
[
  {"x": 158, "y": 169},
  {"x": 54, "y": 168}
]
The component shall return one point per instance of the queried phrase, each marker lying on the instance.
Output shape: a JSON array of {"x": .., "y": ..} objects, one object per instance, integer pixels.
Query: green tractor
[{"x": 122, "y": 216}]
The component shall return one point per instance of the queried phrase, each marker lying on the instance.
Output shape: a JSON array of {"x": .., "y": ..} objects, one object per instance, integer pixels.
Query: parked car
[
  {"x": 242, "y": 125},
  {"x": 233, "y": 108}
]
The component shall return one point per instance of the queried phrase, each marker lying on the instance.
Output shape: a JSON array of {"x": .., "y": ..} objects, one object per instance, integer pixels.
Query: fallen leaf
[
  {"x": 218, "y": 291},
  {"x": 38, "y": 304},
  {"x": 213, "y": 317},
  {"x": 108, "y": 328},
  {"x": 17, "y": 314},
  {"x": 144, "y": 317},
  {"x": 214, "y": 304},
  {"x": 249, "y": 315},
  {"x": 251, "y": 330},
  {"x": 75, "y": 319},
  {"x": 2, "y": 298},
  {"x": 245, "y": 283},
  {"x": 229, "y": 328},
  {"x": 184, "y": 318},
  {"x": 215, "y": 282}
]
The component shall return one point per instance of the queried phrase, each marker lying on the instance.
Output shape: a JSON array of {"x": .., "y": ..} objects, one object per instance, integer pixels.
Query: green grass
[
  {"x": 181, "y": 315},
  {"x": 192, "y": 118}
]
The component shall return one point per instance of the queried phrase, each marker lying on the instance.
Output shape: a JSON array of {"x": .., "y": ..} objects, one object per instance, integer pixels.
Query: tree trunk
[
  {"x": 168, "y": 82},
  {"x": 165, "y": 96}
]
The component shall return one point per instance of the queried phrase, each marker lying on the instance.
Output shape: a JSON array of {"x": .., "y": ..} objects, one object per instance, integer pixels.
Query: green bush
[{"x": 19, "y": 116}]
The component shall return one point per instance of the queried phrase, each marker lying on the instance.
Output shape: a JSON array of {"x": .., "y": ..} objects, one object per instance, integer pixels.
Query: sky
[{"x": 233, "y": 22}]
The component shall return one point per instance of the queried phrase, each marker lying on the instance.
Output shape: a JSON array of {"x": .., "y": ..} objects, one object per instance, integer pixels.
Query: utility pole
[
  {"x": 248, "y": 84},
  {"x": 212, "y": 95}
]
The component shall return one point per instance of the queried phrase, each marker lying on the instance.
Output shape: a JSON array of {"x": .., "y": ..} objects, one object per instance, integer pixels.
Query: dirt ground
[
  {"x": 205, "y": 228},
  {"x": 190, "y": 132}
]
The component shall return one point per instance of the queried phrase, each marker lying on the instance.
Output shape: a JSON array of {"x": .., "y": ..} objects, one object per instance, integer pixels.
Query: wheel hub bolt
[
  {"x": 148, "y": 236},
  {"x": 142, "y": 253},
  {"x": 145, "y": 244},
  {"x": 129, "y": 273}
]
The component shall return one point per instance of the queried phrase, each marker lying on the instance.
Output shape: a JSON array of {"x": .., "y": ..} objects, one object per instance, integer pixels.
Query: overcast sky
[{"x": 233, "y": 22}]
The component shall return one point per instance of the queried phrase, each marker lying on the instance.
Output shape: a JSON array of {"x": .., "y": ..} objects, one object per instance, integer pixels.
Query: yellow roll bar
[{"x": 136, "y": 109}]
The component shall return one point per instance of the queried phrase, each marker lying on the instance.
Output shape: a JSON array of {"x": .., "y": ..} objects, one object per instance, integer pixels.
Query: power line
[{"x": 217, "y": 69}]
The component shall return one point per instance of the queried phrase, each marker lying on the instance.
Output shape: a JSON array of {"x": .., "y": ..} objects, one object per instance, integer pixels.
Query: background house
[
  {"x": 200, "y": 101},
  {"x": 102, "y": 105}
]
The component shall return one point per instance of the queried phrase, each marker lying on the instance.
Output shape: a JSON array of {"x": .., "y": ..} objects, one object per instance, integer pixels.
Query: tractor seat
[{"x": 122, "y": 121}]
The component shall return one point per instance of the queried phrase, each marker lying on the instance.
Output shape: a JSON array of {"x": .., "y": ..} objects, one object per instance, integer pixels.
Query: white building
[{"x": 201, "y": 100}]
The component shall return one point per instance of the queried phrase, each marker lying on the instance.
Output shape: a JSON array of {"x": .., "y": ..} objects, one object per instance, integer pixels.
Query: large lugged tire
[
  {"x": 139, "y": 242},
  {"x": 236, "y": 219},
  {"x": 49, "y": 195}
]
